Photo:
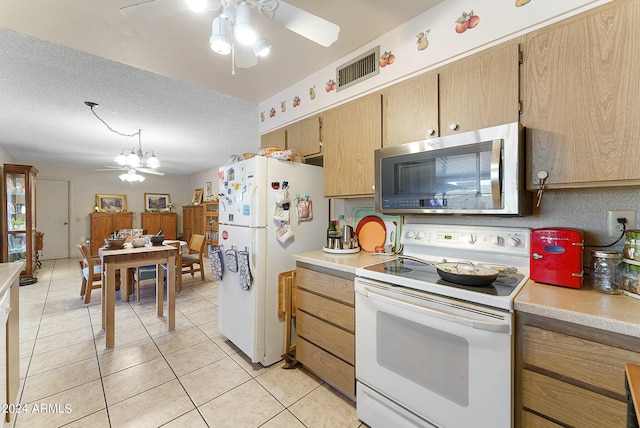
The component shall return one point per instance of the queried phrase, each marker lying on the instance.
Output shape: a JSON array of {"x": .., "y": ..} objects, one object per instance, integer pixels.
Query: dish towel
[
  {"x": 246, "y": 279},
  {"x": 215, "y": 259}
]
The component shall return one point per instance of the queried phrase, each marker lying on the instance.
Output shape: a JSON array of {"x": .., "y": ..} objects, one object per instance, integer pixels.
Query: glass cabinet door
[{"x": 17, "y": 217}]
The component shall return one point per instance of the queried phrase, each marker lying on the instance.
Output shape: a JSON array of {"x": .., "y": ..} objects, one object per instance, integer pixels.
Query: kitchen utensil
[
  {"x": 159, "y": 233},
  {"x": 466, "y": 273},
  {"x": 371, "y": 232},
  {"x": 156, "y": 239},
  {"x": 556, "y": 256},
  {"x": 347, "y": 236},
  {"x": 393, "y": 223}
]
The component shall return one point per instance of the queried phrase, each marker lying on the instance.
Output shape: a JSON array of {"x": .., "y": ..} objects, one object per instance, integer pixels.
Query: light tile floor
[{"x": 190, "y": 377}]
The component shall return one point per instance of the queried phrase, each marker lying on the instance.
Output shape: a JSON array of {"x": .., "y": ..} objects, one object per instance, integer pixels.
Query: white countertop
[
  {"x": 342, "y": 262},
  {"x": 616, "y": 313},
  {"x": 9, "y": 273}
]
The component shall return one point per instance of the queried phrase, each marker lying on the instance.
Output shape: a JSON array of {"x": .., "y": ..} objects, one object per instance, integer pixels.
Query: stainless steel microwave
[{"x": 476, "y": 172}]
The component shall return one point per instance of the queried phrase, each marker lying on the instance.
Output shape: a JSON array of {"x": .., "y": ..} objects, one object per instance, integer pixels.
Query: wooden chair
[
  {"x": 142, "y": 273},
  {"x": 91, "y": 270},
  {"x": 189, "y": 261}
]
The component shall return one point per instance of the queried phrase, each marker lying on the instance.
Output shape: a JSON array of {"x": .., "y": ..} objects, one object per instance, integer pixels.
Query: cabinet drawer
[
  {"x": 331, "y": 369},
  {"x": 570, "y": 404},
  {"x": 327, "y": 336},
  {"x": 586, "y": 361},
  {"x": 329, "y": 310},
  {"x": 531, "y": 420},
  {"x": 327, "y": 285}
]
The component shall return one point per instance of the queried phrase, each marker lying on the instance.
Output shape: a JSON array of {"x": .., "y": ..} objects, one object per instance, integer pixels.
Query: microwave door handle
[
  {"x": 492, "y": 326},
  {"x": 496, "y": 152}
]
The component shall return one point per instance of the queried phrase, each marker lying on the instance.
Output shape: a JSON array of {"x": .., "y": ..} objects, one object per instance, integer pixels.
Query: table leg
[
  {"x": 159, "y": 290},
  {"x": 171, "y": 292},
  {"x": 109, "y": 304},
  {"x": 126, "y": 277}
]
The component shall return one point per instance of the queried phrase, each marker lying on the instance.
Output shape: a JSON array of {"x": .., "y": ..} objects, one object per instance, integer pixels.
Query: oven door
[{"x": 445, "y": 361}]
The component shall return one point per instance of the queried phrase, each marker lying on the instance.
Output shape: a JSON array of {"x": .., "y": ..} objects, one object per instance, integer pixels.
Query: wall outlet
[{"x": 613, "y": 227}]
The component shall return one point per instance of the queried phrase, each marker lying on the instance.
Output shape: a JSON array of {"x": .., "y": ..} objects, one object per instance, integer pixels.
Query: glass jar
[{"x": 604, "y": 272}]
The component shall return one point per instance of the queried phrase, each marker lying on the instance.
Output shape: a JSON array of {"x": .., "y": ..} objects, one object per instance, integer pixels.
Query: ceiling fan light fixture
[
  {"x": 262, "y": 47},
  {"x": 220, "y": 41},
  {"x": 197, "y": 6},
  {"x": 243, "y": 31},
  {"x": 133, "y": 159},
  {"x": 131, "y": 177},
  {"x": 153, "y": 162},
  {"x": 121, "y": 159}
]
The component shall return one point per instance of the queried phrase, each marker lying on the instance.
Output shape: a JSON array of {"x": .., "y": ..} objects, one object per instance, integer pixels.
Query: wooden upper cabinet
[
  {"x": 411, "y": 110},
  {"x": 480, "y": 91},
  {"x": 350, "y": 135},
  {"x": 304, "y": 136},
  {"x": 277, "y": 138},
  {"x": 582, "y": 97}
]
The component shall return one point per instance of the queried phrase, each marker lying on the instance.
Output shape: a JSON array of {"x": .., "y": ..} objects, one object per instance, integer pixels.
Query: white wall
[{"x": 84, "y": 183}]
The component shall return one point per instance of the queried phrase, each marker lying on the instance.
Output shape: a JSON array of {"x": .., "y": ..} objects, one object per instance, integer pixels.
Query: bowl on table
[
  {"x": 156, "y": 240},
  {"x": 138, "y": 242},
  {"x": 114, "y": 243}
]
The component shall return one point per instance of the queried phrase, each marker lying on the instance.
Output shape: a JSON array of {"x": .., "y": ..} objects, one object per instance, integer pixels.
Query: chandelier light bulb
[
  {"x": 133, "y": 159},
  {"x": 243, "y": 31},
  {"x": 121, "y": 159},
  {"x": 153, "y": 162}
]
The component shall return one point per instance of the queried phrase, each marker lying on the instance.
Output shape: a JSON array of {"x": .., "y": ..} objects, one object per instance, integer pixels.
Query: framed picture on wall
[
  {"x": 197, "y": 197},
  {"x": 208, "y": 190},
  {"x": 111, "y": 203},
  {"x": 157, "y": 201}
]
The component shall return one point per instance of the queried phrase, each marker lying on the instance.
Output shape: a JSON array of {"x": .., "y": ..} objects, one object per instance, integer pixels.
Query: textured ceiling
[{"x": 160, "y": 77}]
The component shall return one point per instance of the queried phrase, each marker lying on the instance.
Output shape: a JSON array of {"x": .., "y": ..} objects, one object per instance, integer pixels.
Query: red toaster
[{"x": 556, "y": 256}]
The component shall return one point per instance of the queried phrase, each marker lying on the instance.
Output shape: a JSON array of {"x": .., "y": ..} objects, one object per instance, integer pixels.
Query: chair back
[
  {"x": 86, "y": 256},
  {"x": 196, "y": 244}
]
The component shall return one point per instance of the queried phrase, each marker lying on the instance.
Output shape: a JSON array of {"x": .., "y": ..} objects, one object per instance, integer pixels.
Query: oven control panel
[{"x": 509, "y": 240}]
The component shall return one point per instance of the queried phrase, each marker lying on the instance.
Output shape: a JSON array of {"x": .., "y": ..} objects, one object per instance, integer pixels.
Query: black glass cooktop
[{"x": 410, "y": 273}]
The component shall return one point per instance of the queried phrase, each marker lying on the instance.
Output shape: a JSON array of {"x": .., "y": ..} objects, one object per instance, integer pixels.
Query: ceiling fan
[
  {"x": 131, "y": 175},
  {"x": 231, "y": 16}
]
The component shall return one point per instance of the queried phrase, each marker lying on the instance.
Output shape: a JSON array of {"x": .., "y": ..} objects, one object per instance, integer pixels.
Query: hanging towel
[{"x": 246, "y": 279}]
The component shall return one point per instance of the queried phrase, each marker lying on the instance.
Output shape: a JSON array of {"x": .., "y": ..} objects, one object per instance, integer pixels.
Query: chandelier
[
  {"x": 134, "y": 158},
  {"x": 234, "y": 25}
]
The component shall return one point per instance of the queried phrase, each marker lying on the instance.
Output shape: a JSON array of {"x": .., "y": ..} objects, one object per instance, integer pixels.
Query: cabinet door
[
  {"x": 410, "y": 110},
  {"x": 121, "y": 221},
  {"x": 100, "y": 230},
  {"x": 304, "y": 136},
  {"x": 582, "y": 97},
  {"x": 188, "y": 215},
  {"x": 480, "y": 91},
  {"x": 277, "y": 138},
  {"x": 350, "y": 135},
  {"x": 152, "y": 222},
  {"x": 169, "y": 225}
]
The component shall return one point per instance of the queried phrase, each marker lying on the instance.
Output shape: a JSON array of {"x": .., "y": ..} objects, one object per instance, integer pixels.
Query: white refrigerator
[{"x": 255, "y": 222}]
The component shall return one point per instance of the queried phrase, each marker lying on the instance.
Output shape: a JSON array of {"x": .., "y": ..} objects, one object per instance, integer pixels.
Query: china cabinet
[
  {"x": 19, "y": 227},
  {"x": 211, "y": 224},
  {"x": 192, "y": 221}
]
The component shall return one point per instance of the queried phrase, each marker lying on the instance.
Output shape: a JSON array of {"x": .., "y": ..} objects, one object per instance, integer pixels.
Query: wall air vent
[{"x": 358, "y": 69}]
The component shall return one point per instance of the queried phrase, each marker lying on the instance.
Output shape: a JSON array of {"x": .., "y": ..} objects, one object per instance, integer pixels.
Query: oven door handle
[{"x": 492, "y": 326}]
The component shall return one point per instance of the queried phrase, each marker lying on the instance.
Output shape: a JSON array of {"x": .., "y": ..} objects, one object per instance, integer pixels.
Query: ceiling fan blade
[
  {"x": 113, "y": 168},
  {"x": 149, "y": 171},
  {"x": 152, "y": 10},
  {"x": 306, "y": 24},
  {"x": 244, "y": 56}
]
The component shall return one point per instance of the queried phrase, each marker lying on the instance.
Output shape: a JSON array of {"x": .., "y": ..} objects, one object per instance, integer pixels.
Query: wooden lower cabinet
[
  {"x": 104, "y": 224},
  {"x": 152, "y": 222},
  {"x": 571, "y": 375},
  {"x": 325, "y": 325},
  {"x": 192, "y": 221}
]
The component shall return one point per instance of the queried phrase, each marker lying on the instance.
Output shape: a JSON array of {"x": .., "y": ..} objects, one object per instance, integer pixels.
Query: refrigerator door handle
[{"x": 254, "y": 204}]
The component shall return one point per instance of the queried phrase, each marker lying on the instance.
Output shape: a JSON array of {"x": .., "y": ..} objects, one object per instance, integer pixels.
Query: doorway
[{"x": 52, "y": 217}]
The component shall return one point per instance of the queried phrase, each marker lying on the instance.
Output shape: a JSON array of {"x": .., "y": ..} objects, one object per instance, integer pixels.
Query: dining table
[{"x": 129, "y": 257}]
